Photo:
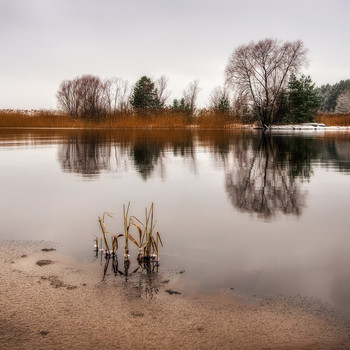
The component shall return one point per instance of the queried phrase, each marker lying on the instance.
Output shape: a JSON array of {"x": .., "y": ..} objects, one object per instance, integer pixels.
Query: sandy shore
[{"x": 62, "y": 305}]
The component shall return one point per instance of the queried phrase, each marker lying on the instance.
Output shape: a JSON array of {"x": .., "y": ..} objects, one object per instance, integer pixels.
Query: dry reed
[
  {"x": 156, "y": 119},
  {"x": 149, "y": 238},
  {"x": 211, "y": 119},
  {"x": 333, "y": 119}
]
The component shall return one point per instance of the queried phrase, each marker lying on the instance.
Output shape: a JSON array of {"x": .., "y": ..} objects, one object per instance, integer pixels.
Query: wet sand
[{"x": 61, "y": 305}]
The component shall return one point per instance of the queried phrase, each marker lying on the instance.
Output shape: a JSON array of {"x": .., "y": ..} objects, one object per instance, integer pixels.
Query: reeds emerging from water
[{"x": 148, "y": 241}]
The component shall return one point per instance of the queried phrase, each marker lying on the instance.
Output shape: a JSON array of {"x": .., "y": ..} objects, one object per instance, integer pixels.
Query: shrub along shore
[{"x": 163, "y": 119}]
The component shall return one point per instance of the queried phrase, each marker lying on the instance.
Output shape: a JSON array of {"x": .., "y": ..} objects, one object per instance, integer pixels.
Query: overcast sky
[{"x": 46, "y": 41}]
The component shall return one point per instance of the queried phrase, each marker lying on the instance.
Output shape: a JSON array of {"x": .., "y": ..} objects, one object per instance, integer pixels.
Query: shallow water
[{"x": 263, "y": 214}]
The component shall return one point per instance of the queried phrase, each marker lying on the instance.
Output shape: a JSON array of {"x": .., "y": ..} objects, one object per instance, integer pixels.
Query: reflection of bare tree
[
  {"x": 266, "y": 176},
  {"x": 85, "y": 154},
  {"x": 90, "y": 152}
]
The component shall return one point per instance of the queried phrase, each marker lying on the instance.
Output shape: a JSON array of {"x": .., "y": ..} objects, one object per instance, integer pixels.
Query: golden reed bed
[
  {"x": 163, "y": 119},
  {"x": 333, "y": 119}
]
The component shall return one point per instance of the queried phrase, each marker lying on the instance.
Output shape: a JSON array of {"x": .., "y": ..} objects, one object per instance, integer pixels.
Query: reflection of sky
[{"x": 203, "y": 233}]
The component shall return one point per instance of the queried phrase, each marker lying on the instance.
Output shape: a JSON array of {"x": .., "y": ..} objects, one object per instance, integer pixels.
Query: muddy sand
[{"x": 48, "y": 301}]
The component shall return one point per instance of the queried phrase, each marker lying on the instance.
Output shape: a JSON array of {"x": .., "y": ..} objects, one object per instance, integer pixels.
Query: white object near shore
[{"x": 307, "y": 127}]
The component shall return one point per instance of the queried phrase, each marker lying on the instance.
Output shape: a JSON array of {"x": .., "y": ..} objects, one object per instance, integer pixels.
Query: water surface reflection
[
  {"x": 264, "y": 173},
  {"x": 267, "y": 173},
  {"x": 262, "y": 213}
]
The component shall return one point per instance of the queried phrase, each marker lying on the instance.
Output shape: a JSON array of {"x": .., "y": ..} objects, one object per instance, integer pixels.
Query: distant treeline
[
  {"x": 89, "y": 96},
  {"x": 335, "y": 98},
  {"x": 263, "y": 84}
]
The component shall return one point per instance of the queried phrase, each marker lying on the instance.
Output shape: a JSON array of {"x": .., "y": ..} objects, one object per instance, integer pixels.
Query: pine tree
[
  {"x": 303, "y": 99},
  {"x": 144, "y": 96}
]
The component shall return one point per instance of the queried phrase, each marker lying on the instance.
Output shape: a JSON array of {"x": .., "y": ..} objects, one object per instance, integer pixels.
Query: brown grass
[
  {"x": 163, "y": 119},
  {"x": 333, "y": 119},
  {"x": 49, "y": 119},
  {"x": 212, "y": 120}
]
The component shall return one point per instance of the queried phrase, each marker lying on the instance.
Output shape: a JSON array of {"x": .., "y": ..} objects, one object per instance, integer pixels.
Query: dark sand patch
[
  {"x": 170, "y": 291},
  {"x": 106, "y": 314},
  {"x": 44, "y": 262}
]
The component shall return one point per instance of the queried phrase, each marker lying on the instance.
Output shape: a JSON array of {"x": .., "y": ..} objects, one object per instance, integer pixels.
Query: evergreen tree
[
  {"x": 303, "y": 99},
  {"x": 180, "y": 106},
  {"x": 145, "y": 95},
  {"x": 282, "y": 115},
  {"x": 223, "y": 106}
]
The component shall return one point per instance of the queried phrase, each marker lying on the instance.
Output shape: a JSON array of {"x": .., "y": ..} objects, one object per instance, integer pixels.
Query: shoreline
[
  {"x": 274, "y": 128},
  {"x": 64, "y": 305}
]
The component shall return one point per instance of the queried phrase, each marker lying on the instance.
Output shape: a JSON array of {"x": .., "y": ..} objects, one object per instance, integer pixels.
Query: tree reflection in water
[
  {"x": 85, "y": 153},
  {"x": 266, "y": 174},
  {"x": 263, "y": 173},
  {"x": 90, "y": 152},
  {"x": 146, "y": 155}
]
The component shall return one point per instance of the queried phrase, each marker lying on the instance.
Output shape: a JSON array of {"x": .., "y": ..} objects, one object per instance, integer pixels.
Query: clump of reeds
[{"x": 148, "y": 238}]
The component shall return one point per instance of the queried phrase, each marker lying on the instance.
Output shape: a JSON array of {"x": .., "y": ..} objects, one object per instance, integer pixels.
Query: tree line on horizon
[
  {"x": 335, "y": 98},
  {"x": 263, "y": 83}
]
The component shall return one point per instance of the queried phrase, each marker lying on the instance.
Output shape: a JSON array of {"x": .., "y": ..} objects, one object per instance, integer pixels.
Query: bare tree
[
  {"x": 126, "y": 91},
  {"x": 190, "y": 95},
  {"x": 82, "y": 96},
  {"x": 91, "y": 94},
  {"x": 116, "y": 94},
  {"x": 110, "y": 94},
  {"x": 240, "y": 106},
  {"x": 67, "y": 97},
  {"x": 260, "y": 71},
  {"x": 343, "y": 103},
  {"x": 161, "y": 85}
]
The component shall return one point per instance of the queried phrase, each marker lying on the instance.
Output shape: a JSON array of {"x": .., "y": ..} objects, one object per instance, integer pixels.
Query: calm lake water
[{"x": 263, "y": 214}]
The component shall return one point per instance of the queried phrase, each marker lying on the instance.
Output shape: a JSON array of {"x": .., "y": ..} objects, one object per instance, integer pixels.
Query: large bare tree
[{"x": 258, "y": 72}]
